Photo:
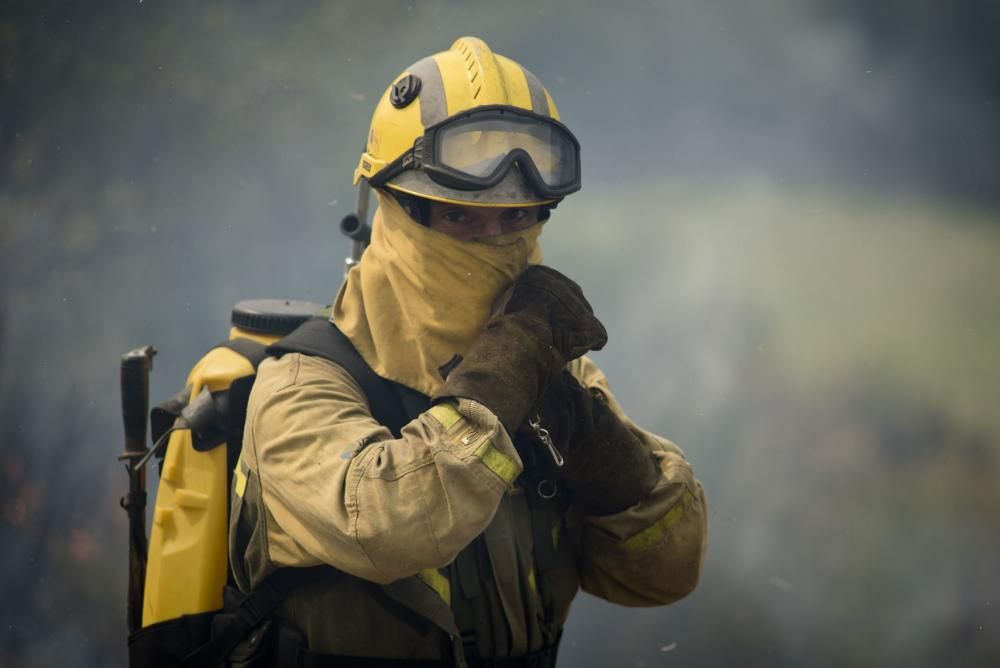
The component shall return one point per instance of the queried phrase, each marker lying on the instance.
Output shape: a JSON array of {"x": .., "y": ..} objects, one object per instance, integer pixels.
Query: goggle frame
[{"x": 423, "y": 156}]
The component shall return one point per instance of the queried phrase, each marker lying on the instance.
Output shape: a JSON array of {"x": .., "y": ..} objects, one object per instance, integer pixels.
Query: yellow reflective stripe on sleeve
[
  {"x": 496, "y": 461},
  {"x": 445, "y": 414},
  {"x": 439, "y": 583},
  {"x": 652, "y": 534},
  {"x": 241, "y": 479},
  {"x": 532, "y": 581},
  {"x": 555, "y": 537}
]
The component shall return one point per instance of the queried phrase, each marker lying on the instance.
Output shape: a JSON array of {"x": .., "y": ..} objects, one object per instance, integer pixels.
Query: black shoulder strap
[
  {"x": 321, "y": 338},
  {"x": 253, "y": 351}
]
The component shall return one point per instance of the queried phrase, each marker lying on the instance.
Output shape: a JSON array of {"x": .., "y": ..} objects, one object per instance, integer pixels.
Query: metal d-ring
[{"x": 544, "y": 486}]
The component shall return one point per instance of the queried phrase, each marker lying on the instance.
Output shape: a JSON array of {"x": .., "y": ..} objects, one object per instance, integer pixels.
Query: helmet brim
[{"x": 510, "y": 191}]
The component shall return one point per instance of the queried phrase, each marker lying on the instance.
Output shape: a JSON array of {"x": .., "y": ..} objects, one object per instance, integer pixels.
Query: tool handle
[{"x": 135, "y": 368}]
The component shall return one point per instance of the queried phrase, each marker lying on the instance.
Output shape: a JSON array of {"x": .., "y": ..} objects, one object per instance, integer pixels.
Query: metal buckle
[{"x": 546, "y": 439}]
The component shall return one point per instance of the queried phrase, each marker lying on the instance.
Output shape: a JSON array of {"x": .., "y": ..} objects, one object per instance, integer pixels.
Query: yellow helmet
[{"x": 469, "y": 126}]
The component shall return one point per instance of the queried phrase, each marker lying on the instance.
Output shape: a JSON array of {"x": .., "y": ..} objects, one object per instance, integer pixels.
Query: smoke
[{"x": 788, "y": 224}]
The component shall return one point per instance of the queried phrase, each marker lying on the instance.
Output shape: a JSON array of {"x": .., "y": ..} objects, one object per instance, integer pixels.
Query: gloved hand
[
  {"x": 540, "y": 324},
  {"x": 606, "y": 466}
]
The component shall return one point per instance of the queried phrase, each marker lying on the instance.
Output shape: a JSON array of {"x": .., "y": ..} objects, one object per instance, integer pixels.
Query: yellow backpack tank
[
  {"x": 179, "y": 576},
  {"x": 187, "y": 565}
]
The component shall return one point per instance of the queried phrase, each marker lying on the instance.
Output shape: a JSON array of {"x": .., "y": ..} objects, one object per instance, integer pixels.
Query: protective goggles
[{"x": 474, "y": 150}]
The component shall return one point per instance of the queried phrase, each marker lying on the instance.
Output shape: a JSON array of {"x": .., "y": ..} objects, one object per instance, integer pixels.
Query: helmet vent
[{"x": 473, "y": 68}]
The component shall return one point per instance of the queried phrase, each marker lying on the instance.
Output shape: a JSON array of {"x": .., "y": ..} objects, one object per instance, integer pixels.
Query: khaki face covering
[{"x": 418, "y": 296}]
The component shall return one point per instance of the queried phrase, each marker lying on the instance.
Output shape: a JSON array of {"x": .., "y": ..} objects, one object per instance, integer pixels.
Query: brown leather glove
[
  {"x": 607, "y": 467},
  {"x": 542, "y": 323}
]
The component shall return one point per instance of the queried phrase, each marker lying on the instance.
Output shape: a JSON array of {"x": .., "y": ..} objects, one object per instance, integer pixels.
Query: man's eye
[
  {"x": 455, "y": 216},
  {"x": 515, "y": 214}
]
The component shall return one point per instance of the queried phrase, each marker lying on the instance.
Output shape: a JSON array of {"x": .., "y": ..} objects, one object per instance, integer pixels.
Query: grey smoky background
[{"x": 790, "y": 224}]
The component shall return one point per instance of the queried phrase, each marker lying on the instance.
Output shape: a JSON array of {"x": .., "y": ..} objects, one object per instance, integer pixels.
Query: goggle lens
[{"x": 478, "y": 146}]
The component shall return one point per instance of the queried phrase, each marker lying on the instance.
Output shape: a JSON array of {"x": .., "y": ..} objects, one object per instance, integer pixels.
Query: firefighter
[{"x": 462, "y": 537}]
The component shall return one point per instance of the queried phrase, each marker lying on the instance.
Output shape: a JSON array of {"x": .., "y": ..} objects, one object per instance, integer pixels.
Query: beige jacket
[{"x": 319, "y": 481}]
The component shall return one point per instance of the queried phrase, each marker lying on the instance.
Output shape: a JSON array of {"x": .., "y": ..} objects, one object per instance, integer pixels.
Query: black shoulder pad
[{"x": 321, "y": 338}]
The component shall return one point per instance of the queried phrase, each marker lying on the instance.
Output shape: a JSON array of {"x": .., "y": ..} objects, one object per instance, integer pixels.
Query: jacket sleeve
[
  {"x": 340, "y": 490},
  {"x": 651, "y": 553}
]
